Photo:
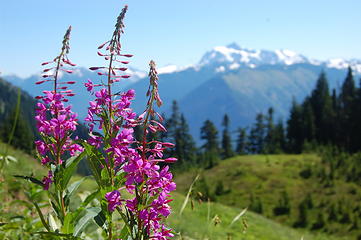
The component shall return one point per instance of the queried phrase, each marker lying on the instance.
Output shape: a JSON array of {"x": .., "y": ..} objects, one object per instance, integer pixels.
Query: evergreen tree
[
  {"x": 185, "y": 148},
  {"x": 321, "y": 103},
  {"x": 172, "y": 123},
  {"x": 295, "y": 135},
  {"x": 219, "y": 190},
  {"x": 210, "y": 148},
  {"x": 347, "y": 102},
  {"x": 242, "y": 141},
  {"x": 332, "y": 215},
  {"x": 302, "y": 220},
  {"x": 357, "y": 119},
  {"x": 178, "y": 133},
  {"x": 308, "y": 122},
  {"x": 270, "y": 133},
  {"x": 255, "y": 204},
  {"x": 336, "y": 133},
  {"x": 319, "y": 223},
  {"x": 283, "y": 206},
  {"x": 279, "y": 138},
  {"x": 227, "y": 150},
  {"x": 257, "y": 135},
  {"x": 23, "y": 137}
]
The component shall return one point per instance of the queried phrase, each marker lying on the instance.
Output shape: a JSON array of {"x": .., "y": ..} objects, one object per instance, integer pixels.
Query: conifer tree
[
  {"x": 347, "y": 102},
  {"x": 227, "y": 150},
  {"x": 241, "y": 141},
  {"x": 321, "y": 103},
  {"x": 210, "y": 148},
  {"x": 23, "y": 137},
  {"x": 302, "y": 220},
  {"x": 173, "y": 122},
  {"x": 279, "y": 138},
  {"x": 257, "y": 135},
  {"x": 308, "y": 122},
  {"x": 295, "y": 129},
  {"x": 186, "y": 150}
]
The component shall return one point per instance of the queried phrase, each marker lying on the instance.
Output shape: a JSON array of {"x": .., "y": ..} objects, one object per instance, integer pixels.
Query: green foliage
[
  {"x": 257, "y": 135},
  {"x": 327, "y": 119},
  {"x": 302, "y": 220},
  {"x": 283, "y": 207},
  {"x": 227, "y": 149},
  {"x": 242, "y": 147},
  {"x": 255, "y": 204},
  {"x": 211, "y": 151},
  {"x": 266, "y": 182},
  {"x": 193, "y": 224},
  {"x": 178, "y": 133}
]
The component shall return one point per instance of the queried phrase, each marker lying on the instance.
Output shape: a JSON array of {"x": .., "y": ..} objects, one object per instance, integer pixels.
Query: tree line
[{"x": 324, "y": 118}]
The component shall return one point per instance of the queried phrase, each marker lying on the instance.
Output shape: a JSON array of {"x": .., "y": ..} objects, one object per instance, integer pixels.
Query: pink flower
[
  {"x": 89, "y": 85},
  {"x": 47, "y": 180},
  {"x": 45, "y": 160},
  {"x": 41, "y": 147},
  {"x": 113, "y": 199}
]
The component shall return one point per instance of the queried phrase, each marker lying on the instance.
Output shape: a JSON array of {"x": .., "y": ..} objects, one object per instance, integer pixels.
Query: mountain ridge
[{"x": 251, "y": 82}]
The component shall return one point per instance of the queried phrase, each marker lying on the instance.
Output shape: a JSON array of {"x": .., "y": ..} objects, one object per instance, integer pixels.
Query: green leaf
[
  {"x": 89, "y": 198},
  {"x": 56, "y": 209},
  {"x": 70, "y": 167},
  {"x": 72, "y": 188},
  {"x": 105, "y": 175},
  {"x": 188, "y": 195},
  {"x": 32, "y": 179},
  {"x": 235, "y": 219},
  {"x": 125, "y": 233},
  {"x": 100, "y": 219},
  {"x": 9, "y": 159},
  {"x": 85, "y": 220},
  {"x": 93, "y": 162},
  {"x": 52, "y": 223},
  {"x": 68, "y": 226},
  {"x": 45, "y": 224}
]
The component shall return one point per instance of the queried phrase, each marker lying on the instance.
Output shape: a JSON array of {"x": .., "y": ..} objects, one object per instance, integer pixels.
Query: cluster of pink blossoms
[
  {"x": 148, "y": 182},
  {"x": 126, "y": 163},
  {"x": 55, "y": 121}
]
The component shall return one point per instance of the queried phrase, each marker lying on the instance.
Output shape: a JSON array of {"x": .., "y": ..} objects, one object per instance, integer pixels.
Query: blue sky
[{"x": 174, "y": 32}]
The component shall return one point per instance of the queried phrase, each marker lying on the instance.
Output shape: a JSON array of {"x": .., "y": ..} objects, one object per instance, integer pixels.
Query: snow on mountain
[
  {"x": 340, "y": 63},
  {"x": 234, "y": 54},
  {"x": 167, "y": 69},
  {"x": 232, "y": 57}
]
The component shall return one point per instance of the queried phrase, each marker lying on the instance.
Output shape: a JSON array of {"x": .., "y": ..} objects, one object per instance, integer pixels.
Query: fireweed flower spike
[
  {"x": 150, "y": 183},
  {"x": 56, "y": 122},
  {"x": 121, "y": 163}
]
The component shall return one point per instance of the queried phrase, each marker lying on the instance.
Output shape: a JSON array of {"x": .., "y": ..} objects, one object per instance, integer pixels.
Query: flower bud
[
  {"x": 170, "y": 160},
  {"x": 45, "y": 63},
  {"x": 126, "y": 55},
  {"x": 102, "y": 45},
  {"x": 94, "y": 68},
  {"x": 100, "y": 54}
]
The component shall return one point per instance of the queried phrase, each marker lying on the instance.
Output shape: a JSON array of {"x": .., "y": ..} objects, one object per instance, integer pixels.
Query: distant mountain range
[{"x": 228, "y": 79}]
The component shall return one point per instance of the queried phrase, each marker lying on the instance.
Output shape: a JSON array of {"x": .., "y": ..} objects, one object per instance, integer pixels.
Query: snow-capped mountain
[
  {"x": 228, "y": 79},
  {"x": 232, "y": 57}
]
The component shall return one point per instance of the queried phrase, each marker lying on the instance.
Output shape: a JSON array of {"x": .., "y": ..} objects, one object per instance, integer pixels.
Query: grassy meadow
[{"x": 264, "y": 177}]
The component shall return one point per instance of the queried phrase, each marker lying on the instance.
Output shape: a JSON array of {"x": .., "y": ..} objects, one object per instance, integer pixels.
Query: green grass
[
  {"x": 264, "y": 176},
  {"x": 195, "y": 224},
  {"x": 267, "y": 176}
]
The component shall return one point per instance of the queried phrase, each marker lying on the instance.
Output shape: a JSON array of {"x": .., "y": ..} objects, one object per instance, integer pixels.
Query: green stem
[{"x": 110, "y": 228}]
